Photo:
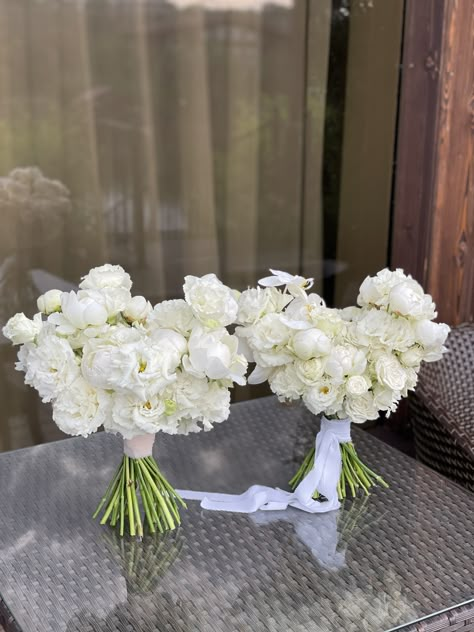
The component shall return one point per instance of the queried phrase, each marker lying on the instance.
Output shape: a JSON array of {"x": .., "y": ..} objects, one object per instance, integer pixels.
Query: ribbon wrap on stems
[
  {"x": 323, "y": 477},
  {"x": 139, "y": 447}
]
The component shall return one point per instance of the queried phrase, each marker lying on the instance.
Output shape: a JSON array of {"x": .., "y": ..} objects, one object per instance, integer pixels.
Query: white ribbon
[
  {"x": 324, "y": 477},
  {"x": 139, "y": 447}
]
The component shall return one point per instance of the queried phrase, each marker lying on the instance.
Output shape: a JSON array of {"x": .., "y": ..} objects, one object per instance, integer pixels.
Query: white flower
[
  {"x": 285, "y": 383},
  {"x": 360, "y": 408},
  {"x": 269, "y": 339},
  {"x": 385, "y": 398},
  {"x": 309, "y": 371},
  {"x": 408, "y": 299},
  {"x": 429, "y": 334},
  {"x": 325, "y": 397},
  {"x": 212, "y": 302},
  {"x": 20, "y": 329},
  {"x": 357, "y": 385},
  {"x": 132, "y": 416},
  {"x": 106, "y": 276},
  {"x": 77, "y": 313},
  {"x": 257, "y": 302},
  {"x": 296, "y": 285},
  {"x": 81, "y": 409},
  {"x": 50, "y": 366},
  {"x": 175, "y": 314},
  {"x": 137, "y": 309},
  {"x": 345, "y": 360},
  {"x": 300, "y": 311},
  {"x": 378, "y": 328},
  {"x": 214, "y": 354},
  {"x": 49, "y": 302},
  {"x": 112, "y": 299},
  {"x": 375, "y": 290},
  {"x": 310, "y": 343},
  {"x": 390, "y": 372},
  {"x": 412, "y": 357}
]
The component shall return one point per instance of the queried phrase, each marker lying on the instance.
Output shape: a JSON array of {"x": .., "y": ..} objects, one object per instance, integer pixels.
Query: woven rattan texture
[{"x": 383, "y": 561}]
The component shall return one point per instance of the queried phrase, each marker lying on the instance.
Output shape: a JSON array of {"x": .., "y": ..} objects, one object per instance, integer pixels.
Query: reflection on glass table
[{"x": 400, "y": 555}]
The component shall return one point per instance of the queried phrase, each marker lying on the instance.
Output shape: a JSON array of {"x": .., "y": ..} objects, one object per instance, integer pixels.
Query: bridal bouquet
[
  {"x": 348, "y": 364},
  {"x": 103, "y": 357}
]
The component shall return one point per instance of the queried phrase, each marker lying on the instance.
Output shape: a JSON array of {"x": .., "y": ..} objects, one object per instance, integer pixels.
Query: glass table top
[{"x": 381, "y": 562}]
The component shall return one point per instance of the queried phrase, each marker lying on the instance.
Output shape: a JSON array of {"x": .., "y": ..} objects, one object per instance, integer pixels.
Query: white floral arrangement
[
  {"x": 103, "y": 357},
  {"x": 348, "y": 364}
]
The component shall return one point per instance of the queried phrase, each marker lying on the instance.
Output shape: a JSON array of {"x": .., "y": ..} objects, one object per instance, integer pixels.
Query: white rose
[
  {"x": 214, "y": 354},
  {"x": 286, "y": 384},
  {"x": 106, "y": 276},
  {"x": 175, "y": 314},
  {"x": 268, "y": 340},
  {"x": 345, "y": 360},
  {"x": 20, "y": 329},
  {"x": 310, "y": 343},
  {"x": 361, "y": 408},
  {"x": 309, "y": 371},
  {"x": 390, "y": 372},
  {"x": 212, "y": 302},
  {"x": 81, "y": 410},
  {"x": 137, "y": 309},
  {"x": 375, "y": 290},
  {"x": 50, "y": 366},
  {"x": 77, "y": 313},
  {"x": 408, "y": 299},
  {"x": 429, "y": 334},
  {"x": 49, "y": 302},
  {"x": 323, "y": 398},
  {"x": 357, "y": 385}
]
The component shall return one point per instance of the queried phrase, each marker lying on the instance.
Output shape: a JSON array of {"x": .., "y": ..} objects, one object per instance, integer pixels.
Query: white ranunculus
[
  {"x": 106, "y": 276},
  {"x": 390, "y": 372},
  {"x": 49, "y": 302},
  {"x": 408, "y": 299},
  {"x": 50, "y": 366},
  {"x": 268, "y": 340},
  {"x": 81, "y": 409},
  {"x": 360, "y": 408},
  {"x": 257, "y": 302},
  {"x": 323, "y": 398},
  {"x": 310, "y": 343},
  {"x": 77, "y": 313},
  {"x": 175, "y": 314},
  {"x": 357, "y": 385},
  {"x": 286, "y": 384},
  {"x": 20, "y": 329},
  {"x": 214, "y": 354},
  {"x": 429, "y": 334},
  {"x": 375, "y": 290},
  {"x": 137, "y": 309},
  {"x": 345, "y": 360},
  {"x": 309, "y": 371},
  {"x": 213, "y": 303}
]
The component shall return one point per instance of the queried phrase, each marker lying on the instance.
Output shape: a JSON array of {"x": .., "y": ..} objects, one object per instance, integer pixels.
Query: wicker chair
[{"x": 442, "y": 410}]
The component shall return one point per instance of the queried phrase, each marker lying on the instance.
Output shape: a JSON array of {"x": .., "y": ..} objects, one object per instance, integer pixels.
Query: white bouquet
[
  {"x": 103, "y": 357},
  {"x": 348, "y": 364}
]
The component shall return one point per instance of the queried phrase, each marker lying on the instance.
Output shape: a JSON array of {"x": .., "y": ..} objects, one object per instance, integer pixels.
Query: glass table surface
[{"x": 380, "y": 562}]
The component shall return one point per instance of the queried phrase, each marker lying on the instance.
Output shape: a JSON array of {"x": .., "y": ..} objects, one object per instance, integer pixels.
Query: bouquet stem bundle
[
  {"x": 355, "y": 475},
  {"x": 136, "y": 478}
]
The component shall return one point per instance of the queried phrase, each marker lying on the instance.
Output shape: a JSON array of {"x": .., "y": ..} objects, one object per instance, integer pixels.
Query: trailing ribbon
[{"x": 323, "y": 477}]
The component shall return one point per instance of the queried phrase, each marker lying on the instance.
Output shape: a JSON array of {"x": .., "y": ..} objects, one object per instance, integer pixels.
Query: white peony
[
  {"x": 49, "y": 302},
  {"x": 378, "y": 328},
  {"x": 357, "y": 385},
  {"x": 300, "y": 311},
  {"x": 412, "y": 357},
  {"x": 20, "y": 329},
  {"x": 268, "y": 340},
  {"x": 175, "y": 314},
  {"x": 214, "y": 354},
  {"x": 257, "y": 302},
  {"x": 309, "y": 371},
  {"x": 376, "y": 290},
  {"x": 390, "y": 372},
  {"x": 132, "y": 416},
  {"x": 310, "y": 343},
  {"x": 286, "y": 384},
  {"x": 137, "y": 309},
  {"x": 360, "y": 408},
  {"x": 345, "y": 360},
  {"x": 112, "y": 299},
  {"x": 78, "y": 313},
  {"x": 408, "y": 299},
  {"x": 81, "y": 409},
  {"x": 50, "y": 366},
  {"x": 386, "y": 399},
  {"x": 106, "y": 276},
  {"x": 429, "y": 334},
  {"x": 326, "y": 397},
  {"x": 213, "y": 303}
]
